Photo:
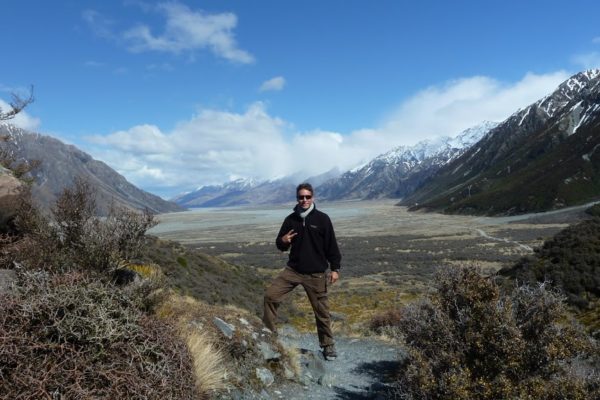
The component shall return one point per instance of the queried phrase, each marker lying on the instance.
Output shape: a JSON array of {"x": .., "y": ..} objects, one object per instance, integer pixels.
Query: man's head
[{"x": 304, "y": 195}]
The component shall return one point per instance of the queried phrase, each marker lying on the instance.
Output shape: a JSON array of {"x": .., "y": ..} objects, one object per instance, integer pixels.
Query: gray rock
[
  {"x": 265, "y": 376},
  {"x": 313, "y": 368},
  {"x": 226, "y": 328},
  {"x": 288, "y": 373},
  {"x": 267, "y": 351}
]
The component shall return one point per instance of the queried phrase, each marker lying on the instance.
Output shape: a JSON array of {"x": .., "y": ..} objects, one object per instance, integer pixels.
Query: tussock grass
[
  {"x": 189, "y": 315},
  {"x": 208, "y": 362},
  {"x": 150, "y": 271}
]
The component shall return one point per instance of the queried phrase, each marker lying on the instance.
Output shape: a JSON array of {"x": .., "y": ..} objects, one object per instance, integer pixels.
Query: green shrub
[
  {"x": 182, "y": 261},
  {"x": 469, "y": 341},
  {"x": 570, "y": 261}
]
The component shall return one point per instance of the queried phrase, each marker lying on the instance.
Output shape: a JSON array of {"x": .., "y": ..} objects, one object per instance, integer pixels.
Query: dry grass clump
[
  {"x": 220, "y": 361},
  {"x": 192, "y": 319},
  {"x": 469, "y": 341},
  {"x": 149, "y": 271},
  {"x": 72, "y": 336},
  {"x": 209, "y": 368}
]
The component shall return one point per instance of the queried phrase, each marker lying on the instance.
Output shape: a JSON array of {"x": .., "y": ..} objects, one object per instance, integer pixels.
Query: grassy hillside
[{"x": 206, "y": 278}]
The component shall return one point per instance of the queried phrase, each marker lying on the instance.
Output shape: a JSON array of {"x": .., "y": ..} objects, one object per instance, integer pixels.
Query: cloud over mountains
[{"x": 215, "y": 146}]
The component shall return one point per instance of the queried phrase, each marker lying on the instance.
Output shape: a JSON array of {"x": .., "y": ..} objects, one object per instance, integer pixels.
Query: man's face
[{"x": 305, "y": 198}]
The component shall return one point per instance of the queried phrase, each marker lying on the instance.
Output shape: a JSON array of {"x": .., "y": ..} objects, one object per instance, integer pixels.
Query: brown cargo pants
[{"x": 315, "y": 286}]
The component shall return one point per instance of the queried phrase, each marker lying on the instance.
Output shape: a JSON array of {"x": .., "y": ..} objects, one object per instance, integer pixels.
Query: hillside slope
[
  {"x": 62, "y": 163},
  {"x": 541, "y": 158}
]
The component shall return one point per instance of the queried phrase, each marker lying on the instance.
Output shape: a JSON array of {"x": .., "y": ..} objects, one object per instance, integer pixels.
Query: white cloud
[
  {"x": 99, "y": 24},
  {"x": 273, "y": 84},
  {"x": 23, "y": 120},
  {"x": 588, "y": 60},
  {"x": 215, "y": 145},
  {"x": 457, "y": 105},
  {"x": 188, "y": 30},
  {"x": 208, "y": 148},
  {"x": 94, "y": 64}
]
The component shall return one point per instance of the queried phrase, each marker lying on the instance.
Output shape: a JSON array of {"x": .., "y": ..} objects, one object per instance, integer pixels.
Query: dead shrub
[
  {"x": 381, "y": 321},
  {"x": 73, "y": 237},
  {"x": 469, "y": 341},
  {"x": 70, "y": 336}
]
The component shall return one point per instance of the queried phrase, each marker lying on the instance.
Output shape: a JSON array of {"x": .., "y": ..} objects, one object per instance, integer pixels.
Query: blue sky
[{"x": 179, "y": 94}]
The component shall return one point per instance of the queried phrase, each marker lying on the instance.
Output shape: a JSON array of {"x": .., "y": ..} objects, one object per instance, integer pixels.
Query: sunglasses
[{"x": 304, "y": 197}]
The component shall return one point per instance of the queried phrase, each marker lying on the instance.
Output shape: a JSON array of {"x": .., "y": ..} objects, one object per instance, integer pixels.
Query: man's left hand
[{"x": 333, "y": 277}]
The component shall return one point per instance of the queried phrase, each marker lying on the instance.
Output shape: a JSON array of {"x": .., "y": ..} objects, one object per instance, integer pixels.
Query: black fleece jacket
[{"x": 314, "y": 248}]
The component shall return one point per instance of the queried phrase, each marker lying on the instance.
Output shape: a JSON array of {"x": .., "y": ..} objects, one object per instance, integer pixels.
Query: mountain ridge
[
  {"x": 540, "y": 158},
  {"x": 62, "y": 163}
]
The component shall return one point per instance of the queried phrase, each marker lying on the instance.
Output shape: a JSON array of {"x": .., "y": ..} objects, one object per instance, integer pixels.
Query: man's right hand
[{"x": 287, "y": 238}]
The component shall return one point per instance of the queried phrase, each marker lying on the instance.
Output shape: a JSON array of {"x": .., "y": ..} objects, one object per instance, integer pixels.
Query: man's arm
[
  {"x": 285, "y": 236},
  {"x": 332, "y": 250}
]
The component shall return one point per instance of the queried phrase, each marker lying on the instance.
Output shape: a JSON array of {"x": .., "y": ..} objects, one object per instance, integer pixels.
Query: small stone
[
  {"x": 226, "y": 328},
  {"x": 267, "y": 352},
  {"x": 265, "y": 376},
  {"x": 288, "y": 373}
]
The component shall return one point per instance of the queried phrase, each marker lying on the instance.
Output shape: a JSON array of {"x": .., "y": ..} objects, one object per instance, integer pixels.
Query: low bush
[
  {"x": 386, "y": 319},
  {"x": 467, "y": 340},
  {"x": 74, "y": 238},
  {"x": 68, "y": 336},
  {"x": 594, "y": 210}
]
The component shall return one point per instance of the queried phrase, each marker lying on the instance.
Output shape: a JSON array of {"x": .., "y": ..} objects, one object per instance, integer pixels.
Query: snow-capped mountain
[
  {"x": 543, "y": 157},
  {"x": 401, "y": 170},
  {"x": 250, "y": 191}
]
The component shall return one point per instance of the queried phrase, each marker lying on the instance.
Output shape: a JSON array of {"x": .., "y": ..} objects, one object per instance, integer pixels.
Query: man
[{"x": 310, "y": 235}]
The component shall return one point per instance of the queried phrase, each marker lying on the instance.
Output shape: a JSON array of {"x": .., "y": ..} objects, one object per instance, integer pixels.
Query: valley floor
[{"x": 389, "y": 254}]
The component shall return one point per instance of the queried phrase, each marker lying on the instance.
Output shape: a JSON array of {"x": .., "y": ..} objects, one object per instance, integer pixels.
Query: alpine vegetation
[{"x": 468, "y": 340}]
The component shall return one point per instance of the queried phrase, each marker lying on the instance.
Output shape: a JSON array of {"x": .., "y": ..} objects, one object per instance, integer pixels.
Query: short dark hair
[{"x": 306, "y": 186}]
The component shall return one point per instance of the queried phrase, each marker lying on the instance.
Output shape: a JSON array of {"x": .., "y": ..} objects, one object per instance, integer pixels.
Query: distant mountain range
[
  {"x": 543, "y": 157},
  {"x": 62, "y": 163},
  {"x": 245, "y": 192},
  {"x": 390, "y": 175},
  {"x": 546, "y": 156},
  {"x": 400, "y": 171}
]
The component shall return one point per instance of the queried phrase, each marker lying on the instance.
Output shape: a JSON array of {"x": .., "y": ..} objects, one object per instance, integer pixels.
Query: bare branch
[{"x": 17, "y": 105}]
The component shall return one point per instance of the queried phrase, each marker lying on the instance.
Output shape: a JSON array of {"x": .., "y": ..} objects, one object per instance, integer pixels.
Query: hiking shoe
[{"x": 329, "y": 352}]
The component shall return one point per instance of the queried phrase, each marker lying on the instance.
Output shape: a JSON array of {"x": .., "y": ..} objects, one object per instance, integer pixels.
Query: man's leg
[
  {"x": 315, "y": 286},
  {"x": 283, "y": 283}
]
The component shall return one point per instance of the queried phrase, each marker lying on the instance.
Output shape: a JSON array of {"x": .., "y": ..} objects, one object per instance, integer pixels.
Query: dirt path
[
  {"x": 362, "y": 370},
  {"x": 484, "y": 234}
]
